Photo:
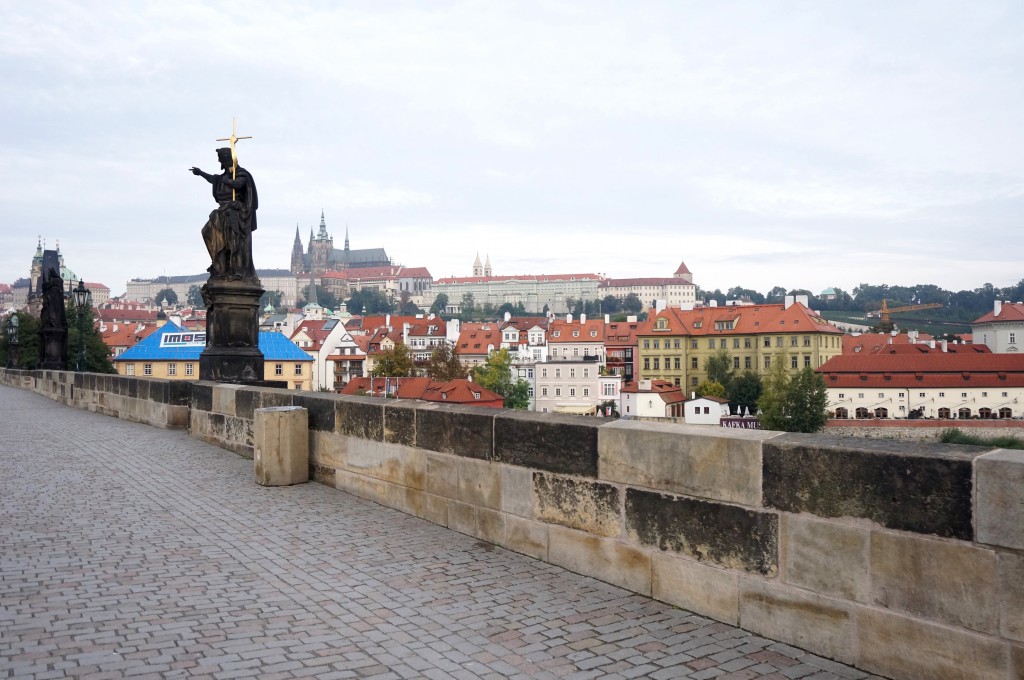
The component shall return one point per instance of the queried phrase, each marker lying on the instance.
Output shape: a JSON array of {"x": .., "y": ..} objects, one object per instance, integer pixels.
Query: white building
[
  {"x": 676, "y": 291},
  {"x": 572, "y": 387},
  {"x": 651, "y": 399},
  {"x": 705, "y": 410},
  {"x": 1002, "y": 329},
  {"x": 933, "y": 385}
]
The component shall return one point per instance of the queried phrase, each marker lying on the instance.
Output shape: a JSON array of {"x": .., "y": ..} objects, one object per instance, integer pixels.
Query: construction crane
[{"x": 886, "y": 310}]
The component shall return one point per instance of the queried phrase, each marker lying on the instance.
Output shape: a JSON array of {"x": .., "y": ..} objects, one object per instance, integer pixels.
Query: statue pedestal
[
  {"x": 232, "y": 351},
  {"x": 55, "y": 349}
]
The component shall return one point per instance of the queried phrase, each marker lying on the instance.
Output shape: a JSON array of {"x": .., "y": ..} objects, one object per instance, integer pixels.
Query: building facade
[
  {"x": 677, "y": 344},
  {"x": 1002, "y": 330},
  {"x": 321, "y": 256},
  {"x": 676, "y": 291}
]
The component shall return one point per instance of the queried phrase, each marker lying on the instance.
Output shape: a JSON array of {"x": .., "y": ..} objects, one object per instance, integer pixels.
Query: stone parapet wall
[
  {"x": 925, "y": 430},
  {"x": 902, "y": 558}
]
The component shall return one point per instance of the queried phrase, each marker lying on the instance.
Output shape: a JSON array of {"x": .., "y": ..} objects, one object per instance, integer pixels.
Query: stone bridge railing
[{"x": 904, "y": 559}]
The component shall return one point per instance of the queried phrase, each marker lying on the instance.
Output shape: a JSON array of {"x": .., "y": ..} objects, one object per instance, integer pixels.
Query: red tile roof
[
  {"x": 1010, "y": 312},
  {"x": 924, "y": 370},
  {"x": 745, "y": 319},
  {"x": 561, "y": 330},
  {"x": 644, "y": 281},
  {"x": 683, "y": 269},
  {"x": 475, "y": 341},
  {"x": 453, "y": 392}
]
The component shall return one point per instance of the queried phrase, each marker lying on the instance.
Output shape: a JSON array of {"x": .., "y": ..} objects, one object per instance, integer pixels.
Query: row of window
[
  {"x": 572, "y": 391},
  {"x": 794, "y": 341},
  {"x": 172, "y": 369},
  {"x": 881, "y": 395},
  {"x": 654, "y": 363},
  {"x": 558, "y": 372},
  {"x": 963, "y": 413}
]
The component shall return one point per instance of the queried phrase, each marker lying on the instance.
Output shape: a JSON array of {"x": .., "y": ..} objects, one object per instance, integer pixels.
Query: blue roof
[{"x": 275, "y": 346}]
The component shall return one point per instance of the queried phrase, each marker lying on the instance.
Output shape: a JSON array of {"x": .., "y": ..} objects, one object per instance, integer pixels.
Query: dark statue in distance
[
  {"x": 232, "y": 293},
  {"x": 53, "y": 332}
]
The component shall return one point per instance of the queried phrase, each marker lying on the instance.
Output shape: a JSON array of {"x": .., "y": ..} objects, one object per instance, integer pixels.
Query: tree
[
  {"x": 807, "y": 398},
  {"x": 741, "y": 293},
  {"x": 632, "y": 304},
  {"x": 487, "y": 311},
  {"x": 744, "y": 390},
  {"x": 719, "y": 368},
  {"x": 28, "y": 339},
  {"x": 168, "y": 295},
  {"x": 506, "y": 308},
  {"x": 710, "y": 388},
  {"x": 324, "y": 297},
  {"x": 194, "y": 298},
  {"x": 269, "y": 297},
  {"x": 776, "y": 295},
  {"x": 496, "y": 375},
  {"x": 369, "y": 301},
  {"x": 394, "y": 363},
  {"x": 440, "y": 303},
  {"x": 407, "y": 306},
  {"x": 445, "y": 365},
  {"x": 794, "y": 404},
  {"x": 610, "y": 304},
  {"x": 466, "y": 305},
  {"x": 97, "y": 354}
]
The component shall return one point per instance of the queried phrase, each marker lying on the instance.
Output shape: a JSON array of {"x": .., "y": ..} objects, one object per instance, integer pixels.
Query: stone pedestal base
[
  {"x": 55, "y": 349},
  {"x": 281, "y": 445},
  {"x": 232, "y": 351}
]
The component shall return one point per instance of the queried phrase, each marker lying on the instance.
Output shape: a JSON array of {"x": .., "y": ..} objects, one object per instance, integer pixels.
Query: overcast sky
[{"x": 801, "y": 144}]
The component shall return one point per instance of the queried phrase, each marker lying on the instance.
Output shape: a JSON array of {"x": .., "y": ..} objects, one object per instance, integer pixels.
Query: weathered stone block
[
  {"x": 947, "y": 582},
  {"x": 321, "y": 408},
  {"x": 400, "y": 422},
  {"x": 593, "y": 507},
  {"x": 490, "y": 526},
  {"x": 1016, "y": 662},
  {"x": 275, "y": 398},
  {"x": 526, "y": 537},
  {"x": 224, "y": 399},
  {"x": 364, "y": 487},
  {"x": 602, "y": 558},
  {"x": 361, "y": 417},
  {"x": 925, "y": 488},
  {"x": 727, "y": 535},
  {"x": 179, "y": 392},
  {"x": 827, "y": 557},
  {"x": 462, "y": 517},
  {"x": 435, "y": 509},
  {"x": 907, "y": 649},
  {"x": 479, "y": 483},
  {"x": 390, "y": 462},
  {"x": 281, "y": 446},
  {"x": 1011, "y": 596},
  {"x": 442, "y": 475},
  {"x": 517, "y": 491},
  {"x": 202, "y": 394},
  {"x": 799, "y": 618},
  {"x": 463, "y": 431},
  {"x": 721, "y": 463},
  {"x": 1000, "y": 480},
  {"x": 553, "y": 443},
  {"x": 706, "y": 590},
  {"x": 328, "y": 449},
  {"x": 323, "y": 474},
  {"x": 247, "y": 400}
]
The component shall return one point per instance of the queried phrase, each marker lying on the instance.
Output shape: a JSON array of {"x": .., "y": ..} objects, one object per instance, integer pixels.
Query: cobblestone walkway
[{"x": 126, "y": 550}]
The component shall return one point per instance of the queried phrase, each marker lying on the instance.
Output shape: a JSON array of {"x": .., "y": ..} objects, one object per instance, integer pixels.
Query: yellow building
[
  {"x": 676, "y": 344},
  {"x": 172, "y": 353}
]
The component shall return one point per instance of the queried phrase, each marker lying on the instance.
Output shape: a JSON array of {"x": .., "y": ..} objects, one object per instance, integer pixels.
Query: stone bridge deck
[{"x": 127, "y": 550}]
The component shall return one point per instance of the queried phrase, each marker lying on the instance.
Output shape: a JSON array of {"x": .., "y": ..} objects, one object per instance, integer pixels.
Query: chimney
[
  {"x": 890, "y": 340},
  {"x": 945, "y": 345},
  {"x": 713, "y": 303},
  {"x": 387, "y": 320},
  {"x": 789, "y": 301},
  {"x": 931, "y": 343},
  {"x": 568, "y": 318},
  {"x": 804, "y": 300},
  {"x": 998, "y": 307},
  {"x": 693, "y": 395},
  {"x": 631, "y": 318},
  {"x": 583, "y": 319},
  {"x": 607, "y": 318},
  {"x": 405, "y": 333}
]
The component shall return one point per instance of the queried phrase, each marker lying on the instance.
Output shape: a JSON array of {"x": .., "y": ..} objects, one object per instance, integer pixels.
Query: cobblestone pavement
[{"x": 126, "y": 550}]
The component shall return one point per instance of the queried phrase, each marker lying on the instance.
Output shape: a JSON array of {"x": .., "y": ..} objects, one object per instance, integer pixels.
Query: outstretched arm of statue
[
  {"x": 236, "y": 183},
  {"x": 197, "y": 171}
]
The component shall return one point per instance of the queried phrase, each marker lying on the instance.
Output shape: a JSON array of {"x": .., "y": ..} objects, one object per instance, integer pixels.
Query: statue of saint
[
  {"x": 228, "y": 232},
  {"x": 53, "y": 313},
  {"x": 14, "y": 330}
]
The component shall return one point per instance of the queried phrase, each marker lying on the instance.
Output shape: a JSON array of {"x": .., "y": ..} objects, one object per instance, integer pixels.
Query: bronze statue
[{"x": 228, "y": 232}]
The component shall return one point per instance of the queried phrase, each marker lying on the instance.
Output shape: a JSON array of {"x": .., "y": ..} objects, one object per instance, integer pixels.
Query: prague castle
[{"x": 321, "y": 255}]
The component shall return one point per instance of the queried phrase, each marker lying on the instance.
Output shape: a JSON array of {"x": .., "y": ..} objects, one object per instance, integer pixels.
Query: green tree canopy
[
  {"x": 28, "y": 342},
  {"x": 97, "y": 353},
  {"x": 271, "y": 297},
  {"x": 744, "y": 390},
  {"x": 369, "y": 301},
  {"x": 719, "y": 367},
  {"x": 440, "y": 303},
  {"x": 168, "y": 295},
  {"x": 194, "y": 298},
  {"x": 394, "y": 363},
  {"x": 324, "y": 297},
  {"x": 710, "y": 388},
  {"x": 445, "y": 365},
  {"x": 794, "y": 404},
  {"x": 496, "y": 375},
  {"x": 632, "y": 304}
]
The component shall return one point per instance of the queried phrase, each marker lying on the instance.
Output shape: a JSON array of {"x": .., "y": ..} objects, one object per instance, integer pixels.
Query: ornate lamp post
[
  {"x": 13, "y": 340},
  {"x": 83, "y": 301}
]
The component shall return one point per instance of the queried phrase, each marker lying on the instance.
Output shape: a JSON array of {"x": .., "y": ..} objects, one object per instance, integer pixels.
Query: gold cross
[{"x": 234, "y": 157}]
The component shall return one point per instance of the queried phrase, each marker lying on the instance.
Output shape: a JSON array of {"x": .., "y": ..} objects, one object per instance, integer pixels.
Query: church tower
[
  {"x": 321, "y": 248},
  {"x": 298, "y": 263},
  {"x": 478, "y": 269},
  {"x": 487, "y": 266}
]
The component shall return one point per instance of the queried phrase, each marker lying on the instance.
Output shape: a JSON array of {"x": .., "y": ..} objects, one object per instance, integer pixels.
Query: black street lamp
[{"x": 83, "y": 301}]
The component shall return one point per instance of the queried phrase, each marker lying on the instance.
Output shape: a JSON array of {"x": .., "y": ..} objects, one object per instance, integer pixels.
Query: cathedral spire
[
  {"x": 346, "y": 236},
  {"x": 323, "y": 227}
]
